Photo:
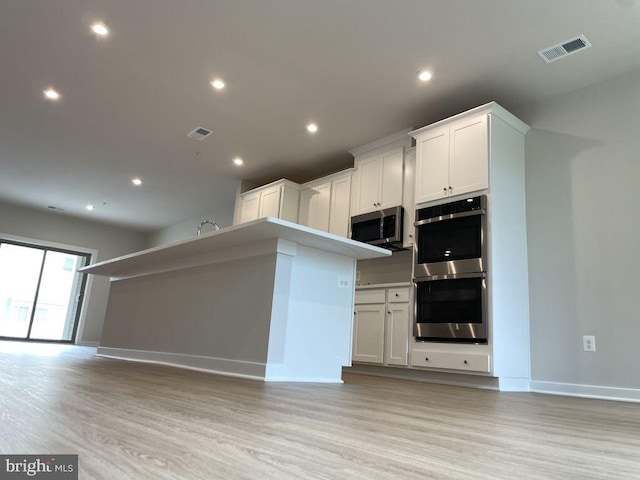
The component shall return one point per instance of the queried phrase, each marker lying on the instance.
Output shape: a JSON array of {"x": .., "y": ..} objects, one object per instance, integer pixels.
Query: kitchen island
[{"x": 267, "y": 299}]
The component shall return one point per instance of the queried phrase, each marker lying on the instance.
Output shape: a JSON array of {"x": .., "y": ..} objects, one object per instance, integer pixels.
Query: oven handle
[
  {"x": 451, "y": 216},
  {"x": 450, "y": 276}
]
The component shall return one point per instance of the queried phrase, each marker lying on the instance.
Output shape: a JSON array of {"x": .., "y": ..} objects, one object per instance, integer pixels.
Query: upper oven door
[{"x": 451, "y": 244}]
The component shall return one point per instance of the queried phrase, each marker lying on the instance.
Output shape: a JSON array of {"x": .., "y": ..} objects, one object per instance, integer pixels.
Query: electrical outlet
[
  {"x": 589, "y": 343},
  {"x": 343, "y": 282}
]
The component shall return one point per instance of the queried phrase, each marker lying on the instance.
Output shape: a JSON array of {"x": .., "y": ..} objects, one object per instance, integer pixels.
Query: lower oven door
[{"x": 451, "y": 308}]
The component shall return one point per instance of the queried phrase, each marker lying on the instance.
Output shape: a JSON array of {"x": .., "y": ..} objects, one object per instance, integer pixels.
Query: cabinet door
[
  {"x": 397, "y": 334},
  {"x": 249, "y": 207},
  {"x": 319, "y": 207},
  {"x": 368, "y": 333},
  {"x": 391, "y": 182},
  {"x": 339, "y": 214},
  {"x": 469, "y": 158},
  {"x": 306, "y": 197},
  {"x": 408, "y": 198},
  {"x": 369, "y": 178},
  {"x": 270, "y": 202},
  {"x": 432, "y": 165}
]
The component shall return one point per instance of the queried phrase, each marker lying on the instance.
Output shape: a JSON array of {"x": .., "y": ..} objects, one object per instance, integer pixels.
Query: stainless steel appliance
[
  {"x": 450, "y": 272},
  {"x": 382, "y": 228},
  {"x": 451, "y": 238},
  {"x": 451, "y": 308}
]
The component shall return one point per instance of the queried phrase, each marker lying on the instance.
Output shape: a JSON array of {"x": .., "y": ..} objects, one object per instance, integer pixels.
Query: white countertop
[
  {"x": 235, "y": 237},
  {"x": 383, "y": 285}
]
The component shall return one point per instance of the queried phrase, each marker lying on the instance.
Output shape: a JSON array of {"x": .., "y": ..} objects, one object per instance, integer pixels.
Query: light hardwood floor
[{"x": 136, "y": 421}]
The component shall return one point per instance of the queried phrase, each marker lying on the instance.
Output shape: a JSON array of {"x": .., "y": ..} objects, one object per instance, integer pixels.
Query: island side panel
[
  {"x": 316, "y": 292},
  {"x": 214, "y": 317}
]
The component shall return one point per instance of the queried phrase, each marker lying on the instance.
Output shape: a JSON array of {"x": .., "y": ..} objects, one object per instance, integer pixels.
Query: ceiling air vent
[
  {"x": 199, "y": 133},
  {"x": 563, "y": 49}
]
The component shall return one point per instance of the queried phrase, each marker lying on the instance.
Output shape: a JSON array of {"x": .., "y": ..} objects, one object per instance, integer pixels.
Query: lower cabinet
[
  {"x": 381, "y": 326},
  {"x": 473, "y": 362}
]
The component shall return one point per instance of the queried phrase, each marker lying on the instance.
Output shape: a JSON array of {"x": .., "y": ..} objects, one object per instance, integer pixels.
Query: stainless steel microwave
[{"x": 382, "y": 228}]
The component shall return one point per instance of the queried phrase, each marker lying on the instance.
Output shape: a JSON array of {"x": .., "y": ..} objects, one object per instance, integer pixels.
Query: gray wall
[
  {"x": 396, "y": 268},
  {"x": 223, "y": 216},
  {"x": 582, "y": 177},
  {"x": 75, "y": 233}
]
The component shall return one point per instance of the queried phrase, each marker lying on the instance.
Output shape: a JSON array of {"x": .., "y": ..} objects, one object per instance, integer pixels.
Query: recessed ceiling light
[
  {"x": 425, "y": 75},
  {"x": 100, "y": 28},
  {"x": 136, "y": 181},
  {"x": 312, "y": 128},
  {"x": 89, "y": 207},
  {"x": 238, "y": 161},
  {"x": 51, "y": 94},
  {"x": 218, "y": 84}
]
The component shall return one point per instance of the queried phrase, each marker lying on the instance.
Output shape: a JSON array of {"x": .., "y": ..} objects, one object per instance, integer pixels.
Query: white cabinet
[
  {"x": 378, "y": 181},
  {"x": 368, "y": 333},
  {"x": 325, "y": 203},
  {"x": 408, "y": 202},
  {"x": 473, "y": 362},
  {"x": 381, "y": 326},
  {"x": 247, "y": 207},
  {"x": 278, "y": 199},
  {"x": 340, "y": 208},
  {"x": 452, "y": 158},
  {"x": 315, "y": 203}
]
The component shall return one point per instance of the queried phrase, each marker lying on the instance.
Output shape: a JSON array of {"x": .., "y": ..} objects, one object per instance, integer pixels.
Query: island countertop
[
  {"x": 267, "y": 299},
  {"x": 232, "y": 240}
]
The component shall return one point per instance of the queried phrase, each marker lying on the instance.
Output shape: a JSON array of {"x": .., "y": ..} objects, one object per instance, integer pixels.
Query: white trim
[
  {"x": 218, "y": 366},
  {"x": 82, "y": 343},
  {"x": 587, "y": 391},
  {"x": 508, "y": 384},
  {"x": 302, "y": 379},
  {"x": 428, "y": 376},
  {"x": 395, "y": 140}
]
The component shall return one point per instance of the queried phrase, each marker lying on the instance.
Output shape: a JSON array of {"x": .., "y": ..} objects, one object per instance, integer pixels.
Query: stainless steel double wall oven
[{"x": 450, "y": 271}]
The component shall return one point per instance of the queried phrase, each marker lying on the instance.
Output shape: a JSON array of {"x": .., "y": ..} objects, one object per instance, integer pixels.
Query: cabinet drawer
[
  {"x": 398, "y": 295},
  {"x": 369, "y": 296},
  {"x": 475, "y": 362}
]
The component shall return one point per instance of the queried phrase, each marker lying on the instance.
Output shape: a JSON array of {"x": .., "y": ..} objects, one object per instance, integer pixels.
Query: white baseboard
[
  {"x": 219, "y": 366},
  {"x": 88, "y": 344},
  {"x": 587, "y": 391},
  {"x": 514, "y": 384},
  {"x": 302, "y": 380}
]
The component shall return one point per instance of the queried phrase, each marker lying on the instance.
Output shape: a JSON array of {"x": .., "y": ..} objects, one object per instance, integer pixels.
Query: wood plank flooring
[{"x": 136, "y": 421}]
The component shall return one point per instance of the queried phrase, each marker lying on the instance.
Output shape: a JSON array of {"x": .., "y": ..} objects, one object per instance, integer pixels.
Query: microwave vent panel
[{"x": 563, "y": 49}]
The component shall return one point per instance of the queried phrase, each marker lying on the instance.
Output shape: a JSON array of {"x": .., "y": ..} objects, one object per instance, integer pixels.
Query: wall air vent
[
  {"x": 563, "y": 49},
  {"x": 199, "y": 133}
]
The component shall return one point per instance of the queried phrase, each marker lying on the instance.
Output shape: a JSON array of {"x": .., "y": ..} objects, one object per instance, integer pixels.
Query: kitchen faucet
[{"x": 203, "y": 223}]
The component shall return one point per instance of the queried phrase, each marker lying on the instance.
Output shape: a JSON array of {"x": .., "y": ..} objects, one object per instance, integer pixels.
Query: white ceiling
[{"x": 129, "y": 100}]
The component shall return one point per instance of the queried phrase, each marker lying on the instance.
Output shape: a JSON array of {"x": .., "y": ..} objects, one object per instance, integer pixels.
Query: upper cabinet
[
  {"x": 325, "y": 203},
  {"x": 379, "y": 178},
  {"x": 453, "y": 155},
  {"x": 278, "y": 199},
  {"x": 452, "y": 158}
]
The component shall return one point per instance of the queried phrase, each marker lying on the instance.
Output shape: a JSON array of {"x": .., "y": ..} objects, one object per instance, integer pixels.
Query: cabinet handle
[
  {"x": 389, "y": 312},
  {"x": 426, "y": 359},
  {"x": 397, "y": 295},
  {"x": 450, "y": 188},
  {"x": 410, "y": 236},
  {"x": 445, "y": 189},
  {"x": 466, "y": 363}
]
